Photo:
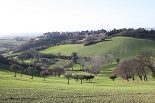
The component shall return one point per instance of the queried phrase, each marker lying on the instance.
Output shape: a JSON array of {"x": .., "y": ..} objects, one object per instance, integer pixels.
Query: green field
[
  {"x": 100, "y": 90},
  {"x": 12, "y": 42},
  {"x": 56, "y": 90},
  {"x": 121, "y": 47}
]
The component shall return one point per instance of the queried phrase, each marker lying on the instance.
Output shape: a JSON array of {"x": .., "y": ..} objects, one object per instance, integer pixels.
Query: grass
[
  {"x": 63, "y": 49},
  {"x": 122, "y": 47},
  {"x": 100, "y": 90},
  {"x": 12, "y": 41}
]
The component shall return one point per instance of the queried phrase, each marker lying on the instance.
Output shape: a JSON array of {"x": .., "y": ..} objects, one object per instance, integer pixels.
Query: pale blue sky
[{"x": 26, "y": 16}]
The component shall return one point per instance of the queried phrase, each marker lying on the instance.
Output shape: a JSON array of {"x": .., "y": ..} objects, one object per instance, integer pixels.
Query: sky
[{"x": 33, "y": 16}]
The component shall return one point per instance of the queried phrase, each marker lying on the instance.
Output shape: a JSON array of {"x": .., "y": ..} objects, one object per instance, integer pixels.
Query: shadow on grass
[{"x": 18, "y": 99}]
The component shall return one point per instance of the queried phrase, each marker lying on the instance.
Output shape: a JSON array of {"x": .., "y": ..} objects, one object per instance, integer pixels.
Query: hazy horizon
[
  {"x": 40, "y": 16},
  {"x": 20, "y": 35}
]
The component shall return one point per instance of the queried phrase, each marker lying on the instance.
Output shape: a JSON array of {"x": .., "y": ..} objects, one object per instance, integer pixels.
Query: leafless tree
[
  {"x": 94, "y": 65},
  {"x": 140, "y": 69},
  {"x": 109, "y": 58},
  {"x": 147, "y": 58},
  {"x": 131, "y": 67},
  {"x": 125, "y": 70}
]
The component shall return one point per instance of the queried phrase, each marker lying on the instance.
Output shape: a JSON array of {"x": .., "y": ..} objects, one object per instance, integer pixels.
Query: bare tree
[
  {"x": 94, "y": 65},
  {"x": 147, "y": 58},
  {"x": 125, "y": 70},
  {"x": 140, "y": 69},
  {"x": 110, "y": 58},
  {"x": 131, "y": 67}
]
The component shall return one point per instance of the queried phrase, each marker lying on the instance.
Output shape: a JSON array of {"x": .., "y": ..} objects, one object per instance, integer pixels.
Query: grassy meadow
[
  {"x": 56, "y": 90},
  {"x": 121, "y": 47},
  {"x": 100, "y": 90}
]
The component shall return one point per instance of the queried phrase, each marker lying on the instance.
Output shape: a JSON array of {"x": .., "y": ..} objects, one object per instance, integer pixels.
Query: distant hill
[
  {"x": 11, "y": 43},
  {"x": 82, "y": 37},
  {"x": 57, "y": 38},
  {"x": 13, "y": 35},
  {"x": 122, "y": 47}
]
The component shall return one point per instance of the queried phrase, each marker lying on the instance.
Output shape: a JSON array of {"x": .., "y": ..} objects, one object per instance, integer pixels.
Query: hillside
[
  {"x": 122, "y": 47},
  {"x": 100, "y": 89},
  {"x": 56, "y": 90},
  {"x": 11, "y": 43},
  {"x": 82, "y": 37}
]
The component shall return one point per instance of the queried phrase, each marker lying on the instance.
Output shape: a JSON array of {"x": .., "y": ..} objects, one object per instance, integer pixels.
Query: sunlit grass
[
  {"x": 63, "y": 49},
  {"x": 55, "y": 89},
  {"x": 122, "y": 47}
]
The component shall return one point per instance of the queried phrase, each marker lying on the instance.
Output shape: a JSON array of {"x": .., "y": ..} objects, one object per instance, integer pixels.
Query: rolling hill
[
  {"x": 100, "y": 89},
  {"x": 56, "y": 90},
  {"x": 11, "y": 43},
  {"x": 122, "y": 47}
]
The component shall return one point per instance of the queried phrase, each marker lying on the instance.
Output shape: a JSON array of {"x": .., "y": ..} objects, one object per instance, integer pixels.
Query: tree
[
  {"x": 57, "y": 71},
  {"x": 131, "y": 67},
  {"x": 34, "y": 53},
  {"x": 124, "y": 70},
  {"x": 15, "y": 68},
  {"x": 113, "y": 77},
  {"x": 147, "y": 58},
  {"x": 110, "y": 58},
  {"x": 118, "y": 60},
  {"x": 69, "y": 64},
  {"x": 94, "y": 65},
  {"x": 60, "y": 71},
  {"x": 81, "y": 77},
  {"x": 21, "y": 69},
  {"x": 74, "y": 57},
  {"x": 68, "y": 76},
  {"x": 81, "y": 61},
  {"x": 31, "y": 70},
  {"x": 140, "y": 68},
  {"x": 44, "y": 73}
]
